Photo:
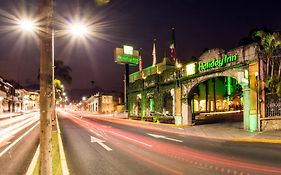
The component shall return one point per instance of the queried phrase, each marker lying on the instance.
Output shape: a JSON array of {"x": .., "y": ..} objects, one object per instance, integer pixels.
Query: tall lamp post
[
  {"x": 46, "y": 83},
  {"x": 47, "y": 89}
]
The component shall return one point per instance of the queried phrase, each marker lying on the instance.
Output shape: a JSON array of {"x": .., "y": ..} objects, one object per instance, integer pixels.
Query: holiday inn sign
[{"x": 218, "y": 62}]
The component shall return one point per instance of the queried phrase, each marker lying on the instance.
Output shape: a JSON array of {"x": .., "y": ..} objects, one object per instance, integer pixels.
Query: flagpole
[
  {"x": 154, "y": 53},
  {"x": 173, "y": 46}
]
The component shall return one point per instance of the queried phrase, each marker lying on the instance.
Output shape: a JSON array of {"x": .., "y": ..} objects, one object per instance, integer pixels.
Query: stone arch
[{"x": 190, "y": 84}]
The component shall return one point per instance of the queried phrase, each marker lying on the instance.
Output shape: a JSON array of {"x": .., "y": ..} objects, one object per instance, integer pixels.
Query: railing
[{"x": 273, "y": 105}]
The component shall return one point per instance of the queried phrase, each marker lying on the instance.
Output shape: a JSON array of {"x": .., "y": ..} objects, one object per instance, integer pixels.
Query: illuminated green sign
[
  {"x": 219, "y": 62},
  {"x": 128, "y": 59},
  {"x": 126, "y": 55}
]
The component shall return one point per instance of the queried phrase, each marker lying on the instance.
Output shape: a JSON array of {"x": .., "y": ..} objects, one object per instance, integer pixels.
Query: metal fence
[{"x": 273, "y": 105}]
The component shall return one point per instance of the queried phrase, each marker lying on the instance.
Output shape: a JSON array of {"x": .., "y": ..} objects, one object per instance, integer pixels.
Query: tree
[
  {"x": 251, "y": 38},
  {"x": 270, "y": 45},
  {"x": 62, "y": 71},
  {"x": 59, "y": 89}
]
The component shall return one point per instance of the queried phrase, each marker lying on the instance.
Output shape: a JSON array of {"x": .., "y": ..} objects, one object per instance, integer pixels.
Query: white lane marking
[
  {"x": 131, "y": 139},
  {"x": 163, "y": 137},
  {"x": 16, "y": 141},
  {"x": 100, "y": 142},
  {"x": 10, "y": 131},
  {"x": 33, "y": 162}
]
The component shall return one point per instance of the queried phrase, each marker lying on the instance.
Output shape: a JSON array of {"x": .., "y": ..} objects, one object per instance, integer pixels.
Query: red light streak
[{"x": 197, "y": 158}]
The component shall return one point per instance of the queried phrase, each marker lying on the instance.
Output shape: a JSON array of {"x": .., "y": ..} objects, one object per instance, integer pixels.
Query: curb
[
  {"x": 256, "y": 140},
  {"x": 64, "y": 167},
  {"x": 33, "y": 162}
]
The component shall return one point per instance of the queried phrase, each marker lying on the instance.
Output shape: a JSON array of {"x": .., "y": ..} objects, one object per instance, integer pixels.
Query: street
[
  {"x": 98, "y": 145},
  {"x": 19, "y": 138}
]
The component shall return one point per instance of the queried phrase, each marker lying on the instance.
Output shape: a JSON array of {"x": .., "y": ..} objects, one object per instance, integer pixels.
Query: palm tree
[
  {"x": 269, "y": 44},
  {"x": 251, "y": 38},
  {"x": 62, "y": 71}
]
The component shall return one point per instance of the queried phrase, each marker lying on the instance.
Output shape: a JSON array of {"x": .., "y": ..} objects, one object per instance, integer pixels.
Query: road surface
[
  {"x": 19, "y": 138},
  {"x": 96, "y": 145}
]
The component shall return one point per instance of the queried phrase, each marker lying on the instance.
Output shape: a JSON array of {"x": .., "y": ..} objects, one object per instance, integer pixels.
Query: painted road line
[
  {"x": 100, "y": 142},
  {"x": 33, "y": 162},
  {"x": 256, "y": 140},
  {"x": 11, "y": 131},
  {"x": 131, "y": 139},
  {"x": 16, "y": 141},
  {"x": 164, "y": 137}
]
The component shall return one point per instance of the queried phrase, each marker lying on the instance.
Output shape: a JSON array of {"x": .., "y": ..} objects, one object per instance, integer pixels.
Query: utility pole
[{"x": 46, "y": 14}]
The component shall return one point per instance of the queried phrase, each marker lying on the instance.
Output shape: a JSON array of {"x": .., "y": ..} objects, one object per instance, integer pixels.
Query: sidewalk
[
  {"x": 229, "y": 131},
  {"x": 232, "y": 131}
]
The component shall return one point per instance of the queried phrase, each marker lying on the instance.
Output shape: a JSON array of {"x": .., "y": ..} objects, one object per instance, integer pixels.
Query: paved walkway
[{"x": 224, "y": 131}]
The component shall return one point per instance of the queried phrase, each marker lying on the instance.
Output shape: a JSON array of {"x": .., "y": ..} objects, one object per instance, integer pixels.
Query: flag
[
  {"x": 173, "y": 46},
  {"x": 154, "y": 53},
  {"x": 140, "y": 61}
]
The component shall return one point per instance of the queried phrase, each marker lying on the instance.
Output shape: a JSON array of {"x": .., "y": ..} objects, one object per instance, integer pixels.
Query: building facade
[
  {"x": 219, "y": 81},
  {"x": 7, "y": 97},
  {"x": 103, "y": 102}
]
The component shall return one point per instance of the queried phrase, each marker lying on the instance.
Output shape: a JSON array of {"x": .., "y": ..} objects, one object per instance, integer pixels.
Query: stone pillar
[
  {"x": 143, "y": 104},
  {"x": 178, "y": 107},
  {"x": 246, "y": 112},
  {"x": 178, "y": 101},
  {"x": 254, "y": 117}
]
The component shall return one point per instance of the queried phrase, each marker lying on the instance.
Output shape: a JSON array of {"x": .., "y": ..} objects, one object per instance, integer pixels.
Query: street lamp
[
  {"x": 78, "y": 29},
  {"x": 46, "y": 33},
  {"x": 27, "y": 25}
]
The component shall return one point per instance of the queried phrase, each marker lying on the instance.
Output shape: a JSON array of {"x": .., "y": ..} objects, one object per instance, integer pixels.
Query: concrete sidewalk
[
  {"x": 231, "y": 131},
  {"x": 223, "y": 131}
]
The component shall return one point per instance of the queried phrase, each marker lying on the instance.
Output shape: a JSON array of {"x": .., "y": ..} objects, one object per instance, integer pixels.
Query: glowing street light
[
  {"x": 27, "y": 25},
  {"x": 78, "y": 29}
]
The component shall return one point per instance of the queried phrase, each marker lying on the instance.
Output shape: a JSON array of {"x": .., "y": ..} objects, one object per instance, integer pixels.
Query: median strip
[{"x": 59, "y": 165}]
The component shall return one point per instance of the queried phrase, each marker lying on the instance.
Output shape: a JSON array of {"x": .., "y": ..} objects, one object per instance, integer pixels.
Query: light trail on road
[
  {"x": 211, "y": 161},
  {"x": 17, "y": 126},
  {"x": 18, "y": 142}
]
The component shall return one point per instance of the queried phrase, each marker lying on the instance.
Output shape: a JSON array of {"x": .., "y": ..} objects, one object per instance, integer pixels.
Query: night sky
[{"x": 198, "y": 25}]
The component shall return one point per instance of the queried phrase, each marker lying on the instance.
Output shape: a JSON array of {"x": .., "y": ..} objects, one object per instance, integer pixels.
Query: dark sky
[{"x": 198, "y": 25}]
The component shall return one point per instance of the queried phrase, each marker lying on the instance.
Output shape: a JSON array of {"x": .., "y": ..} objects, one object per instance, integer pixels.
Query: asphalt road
[
  {"x": 19, "y": 138},
  {"x": 95, "y": 145}
]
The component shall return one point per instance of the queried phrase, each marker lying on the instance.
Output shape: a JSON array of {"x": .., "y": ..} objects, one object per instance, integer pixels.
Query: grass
[{"x": 56, "y": 162}]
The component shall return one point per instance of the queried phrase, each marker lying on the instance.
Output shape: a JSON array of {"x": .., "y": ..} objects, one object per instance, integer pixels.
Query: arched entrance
[{"x": 215, "y": 100}]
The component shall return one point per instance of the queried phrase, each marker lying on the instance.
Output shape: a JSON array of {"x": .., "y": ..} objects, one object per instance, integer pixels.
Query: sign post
[{"x": 130, "y": 57}]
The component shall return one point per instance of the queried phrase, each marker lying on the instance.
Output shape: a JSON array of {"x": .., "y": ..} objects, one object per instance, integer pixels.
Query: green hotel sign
[
  {"x": 219, "y": 62},
  {"x": 126, "y": 55},
  {"x": 128, "y": 59}
]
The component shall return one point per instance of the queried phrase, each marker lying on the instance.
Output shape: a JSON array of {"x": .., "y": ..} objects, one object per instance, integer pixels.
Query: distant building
[
  {"x": 103, "y": 102},
  {"x": 27, "y": 100},
  {"x": 7, "y": 95}
]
